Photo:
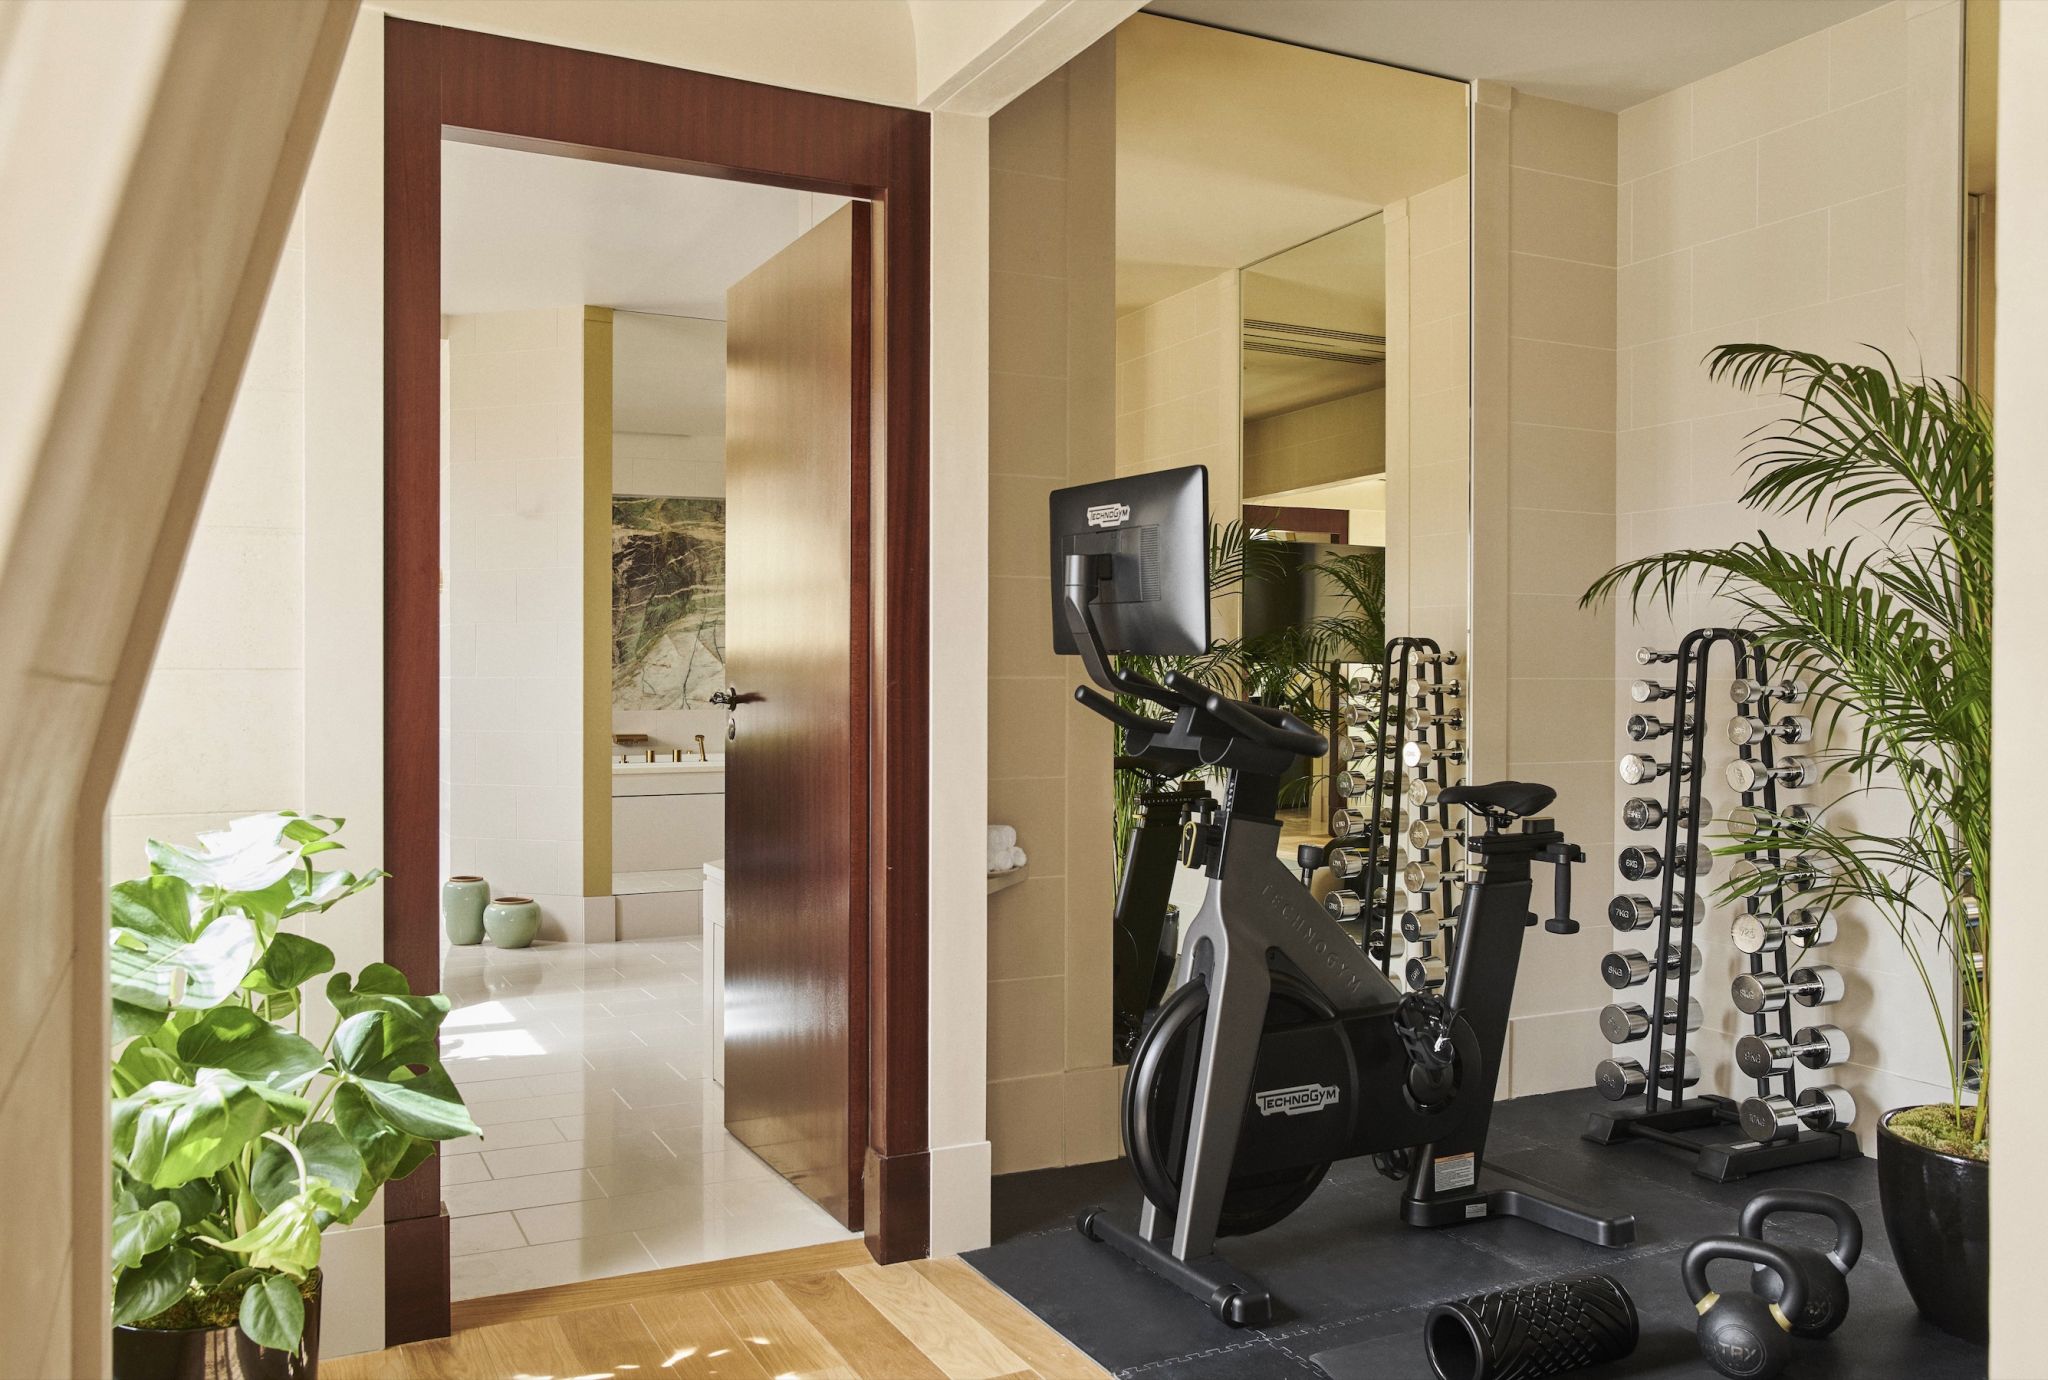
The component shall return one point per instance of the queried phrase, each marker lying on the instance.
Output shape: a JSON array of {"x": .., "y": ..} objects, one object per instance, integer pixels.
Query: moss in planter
[
  {"x": 1936, "y": 1128},
  {"x": 215, "y": 1308}
]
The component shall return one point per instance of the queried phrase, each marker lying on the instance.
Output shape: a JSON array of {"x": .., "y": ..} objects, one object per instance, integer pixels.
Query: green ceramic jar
[
  {"x": 512, "y": 921},
  {"x": 462, "y": 908}
]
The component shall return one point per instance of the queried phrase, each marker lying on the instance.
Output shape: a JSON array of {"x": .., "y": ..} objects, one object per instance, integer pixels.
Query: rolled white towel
[
  {"x": 1001, "y": 837},
  {"x": 1006, "y": 860}
]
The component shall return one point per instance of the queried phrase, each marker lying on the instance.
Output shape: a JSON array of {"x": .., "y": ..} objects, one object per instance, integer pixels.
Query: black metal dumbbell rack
[
  {"x": 1407, "y": 659},
  {"x": 1666, "y": 1113}
]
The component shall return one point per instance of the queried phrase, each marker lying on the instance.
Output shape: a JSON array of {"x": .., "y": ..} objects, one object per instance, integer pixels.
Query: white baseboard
[{"x": 960, "y": 1197}]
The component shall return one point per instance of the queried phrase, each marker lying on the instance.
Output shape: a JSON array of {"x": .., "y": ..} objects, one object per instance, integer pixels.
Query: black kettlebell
[
  {"x": 1824, "y": 1273},
  {"x": 1742, "y": 1335}
]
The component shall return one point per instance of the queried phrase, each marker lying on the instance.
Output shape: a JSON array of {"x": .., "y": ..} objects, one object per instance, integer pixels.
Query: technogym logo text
[
  {"x": 1309, "y": 1097},
  {"x": 1109, "y": 514}
]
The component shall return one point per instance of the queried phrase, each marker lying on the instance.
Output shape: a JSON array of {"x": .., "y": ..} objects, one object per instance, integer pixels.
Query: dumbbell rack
[
  {"x": 1666, "y": 1118},
  {"x": 1407, "y": 659}
]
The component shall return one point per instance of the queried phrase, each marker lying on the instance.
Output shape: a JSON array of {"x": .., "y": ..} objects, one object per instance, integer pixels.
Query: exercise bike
[{"x": 1281, "y": 1047}]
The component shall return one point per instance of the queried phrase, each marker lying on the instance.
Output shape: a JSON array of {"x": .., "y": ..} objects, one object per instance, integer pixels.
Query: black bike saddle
[{"x": 1515, "y": 798}]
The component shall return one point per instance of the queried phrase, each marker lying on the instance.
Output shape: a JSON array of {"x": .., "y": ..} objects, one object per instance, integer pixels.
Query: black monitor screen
[{"x": 1148, "y": 539}]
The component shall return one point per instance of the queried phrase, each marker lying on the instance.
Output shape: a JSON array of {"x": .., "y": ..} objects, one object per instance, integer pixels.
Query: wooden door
[{"x": 796, "y": 600}]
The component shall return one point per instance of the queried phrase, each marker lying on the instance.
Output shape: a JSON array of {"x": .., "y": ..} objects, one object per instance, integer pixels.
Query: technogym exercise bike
[{"x": 1281, "y": 1047}]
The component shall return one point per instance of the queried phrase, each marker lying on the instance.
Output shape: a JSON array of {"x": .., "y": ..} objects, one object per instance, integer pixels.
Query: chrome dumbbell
[
  {"x": 1815, "y": 1046},
  {"x": 1640, "y": 863},
  {"x": 1370, "y": 740},
  {"x": 1422, "y": 685},
  {"x": 1422, "y": 877},
  {"x": 1649, "y": 691},
  {"x": 1793, "y": 728},
  {"x": 1624, "y": 1023},
  {"x": 1638, "y": 767},
  {"x": 1427, "y": 833},
  {"x": 1747, "y": 776},
  {"x": 1346, "y": 861},
  {"x": 1647, "y": 728},
  {"x": 1650, "y": 656},
  {"x": 1354, "y": 783},
  {"x": 1423, "y": 926},
  {"x": 1630, "y": 911},
  {"x": 1343, "y": 905},
  {"x": 1415, "y": 754},
  {"x": 1619, "y": 1078},
  {"x": 1766, "y": 828},
  {"x": 1790, "y": 877},
  {"x": 1347, "y": 823},
  {"x": 1803, "y": 927},
  {"x": 1627, "y": 968},
  {"x": 1422, "y": 793},
  {"x": 1363, "y": 680},
  {"x": 1817, "y": 984},
  {"x": 1640, "y": 812},
  {"x": 1425, "y": 974},
  {"x": 1753, "y": 692},
  {"x": 1420, "y": 720},
  {"x": 1777, "y": 1118},
  {"x": 1448, "y": 658}
]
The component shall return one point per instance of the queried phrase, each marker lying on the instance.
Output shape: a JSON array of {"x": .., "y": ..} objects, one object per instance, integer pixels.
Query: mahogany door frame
[{"x": 445, "y": 83}]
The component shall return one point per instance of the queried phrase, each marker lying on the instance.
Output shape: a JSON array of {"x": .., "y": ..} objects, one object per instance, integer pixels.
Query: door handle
[{"x": 728, "y": 697}]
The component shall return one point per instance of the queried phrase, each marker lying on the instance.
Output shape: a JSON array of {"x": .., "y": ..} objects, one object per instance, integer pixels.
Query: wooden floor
[{"x": 821, "y": 1313}]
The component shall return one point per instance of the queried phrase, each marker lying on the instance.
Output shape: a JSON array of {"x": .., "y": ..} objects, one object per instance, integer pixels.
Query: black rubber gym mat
[{"x": 1353, "y": 1284}]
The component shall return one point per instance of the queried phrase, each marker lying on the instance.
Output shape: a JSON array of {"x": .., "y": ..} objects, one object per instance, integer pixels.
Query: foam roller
[{"x": 1533, "y": 1330}]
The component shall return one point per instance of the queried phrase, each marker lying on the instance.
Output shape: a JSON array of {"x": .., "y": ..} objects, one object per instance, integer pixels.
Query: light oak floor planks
[{"x": 800, "y": 1316}]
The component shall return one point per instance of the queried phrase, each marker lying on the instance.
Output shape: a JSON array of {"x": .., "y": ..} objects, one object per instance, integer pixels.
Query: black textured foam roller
[{"x": 1532, "y": 1330}]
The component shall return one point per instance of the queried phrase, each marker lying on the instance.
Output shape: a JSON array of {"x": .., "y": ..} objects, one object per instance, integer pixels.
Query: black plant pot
[
  {"x": 214, "y": 1353},
  {"x": 1937, "y": 1212}
]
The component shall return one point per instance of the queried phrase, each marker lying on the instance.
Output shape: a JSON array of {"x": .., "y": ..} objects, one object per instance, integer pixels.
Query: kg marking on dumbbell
[
  {"x": 1815, "y": 1046},
  {"x": 1630, "y": 911},
  {"x": 1817, "y": 984},
  {"x": 1423, "y": 926},
  {"x": 1427, "y": 833}
]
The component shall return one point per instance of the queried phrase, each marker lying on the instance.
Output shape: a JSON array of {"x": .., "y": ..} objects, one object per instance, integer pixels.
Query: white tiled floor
[{"x": 604, "y": 1148}]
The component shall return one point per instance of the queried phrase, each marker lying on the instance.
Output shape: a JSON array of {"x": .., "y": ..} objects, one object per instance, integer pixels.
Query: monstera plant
[{"x": 239, "y": 1134}]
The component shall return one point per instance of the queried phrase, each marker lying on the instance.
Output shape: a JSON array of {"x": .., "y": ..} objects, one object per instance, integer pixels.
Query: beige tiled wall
[
  {"x": 1332, "y": 441},
  {"x": 1427, "y": 397},
  {"x": 1177, "y": 388},
  {"x": 1809, "y": 197},
  {"x": 1052, "y": 1089},
  {"x": 1559, "y": 530}
]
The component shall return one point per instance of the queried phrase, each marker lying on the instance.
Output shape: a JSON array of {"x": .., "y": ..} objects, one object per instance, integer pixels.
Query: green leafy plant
[
  {"x": 1293, "y": 667},
  {"x": 236, "y": 1139},
  {"x": 1891, "y": 631}
]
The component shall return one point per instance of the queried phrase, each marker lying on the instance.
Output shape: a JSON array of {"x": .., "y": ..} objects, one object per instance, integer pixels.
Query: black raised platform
[{"x": 1352, "y": 1283}]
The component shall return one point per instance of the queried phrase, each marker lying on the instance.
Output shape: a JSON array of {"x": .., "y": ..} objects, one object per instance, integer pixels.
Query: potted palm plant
[
  {"x": 237, "y": 1140},
  {"x": 1890, "y": 629}
]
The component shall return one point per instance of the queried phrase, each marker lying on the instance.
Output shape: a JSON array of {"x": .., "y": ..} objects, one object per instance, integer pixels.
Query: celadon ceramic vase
[
  {"x": 462, "y": 908},
  {"x": 512, "y": 921}
]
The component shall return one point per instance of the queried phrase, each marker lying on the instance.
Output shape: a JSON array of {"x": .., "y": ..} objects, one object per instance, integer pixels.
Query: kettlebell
[
  {"x": 1742, "y": 1335},
  {"x": 1824, "y": 1273}
]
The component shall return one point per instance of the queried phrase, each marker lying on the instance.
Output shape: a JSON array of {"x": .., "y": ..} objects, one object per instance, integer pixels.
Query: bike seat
[{"x": 1514, "y": 798}]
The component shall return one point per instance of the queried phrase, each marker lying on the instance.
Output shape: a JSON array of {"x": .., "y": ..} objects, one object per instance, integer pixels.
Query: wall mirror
[{"x": 1292, "y": 292}]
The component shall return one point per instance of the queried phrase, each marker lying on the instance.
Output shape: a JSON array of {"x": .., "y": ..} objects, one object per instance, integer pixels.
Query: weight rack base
[{"x": 1723, "y": 1162}]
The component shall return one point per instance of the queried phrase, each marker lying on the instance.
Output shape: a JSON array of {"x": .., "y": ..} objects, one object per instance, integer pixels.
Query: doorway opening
[
  {"x": 615, "y": 365},
  {"x": 825, "y": 783}
]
